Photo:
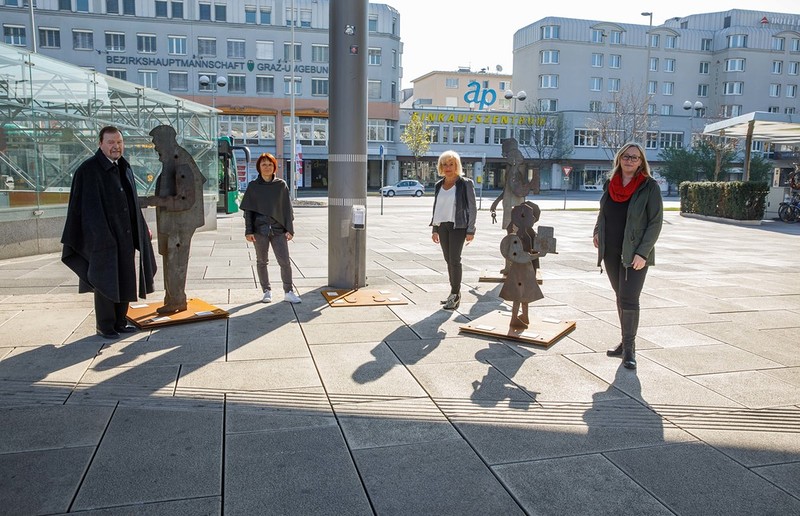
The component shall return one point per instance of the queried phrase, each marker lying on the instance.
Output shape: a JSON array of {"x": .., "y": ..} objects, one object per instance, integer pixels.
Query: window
[
  {"x": 248, "y": 129},
  {"x": 651, "y": 140},
  {"x": 374, "y": 90},
  {"x": 793, "y": 68},
  {"x": 596, "y": 36},
  {"x": 548, "y": 105},
  {"x": 177, "y": 45},
  {"x": 265, "y": 16},
  {"x": 265, "y": 84},
  {"x": 374, "y": 57},
  {"x": 204, "y": 12},
  {"x": 790, "y": 110},
  {"x": 737, "y": 41},
  {"x": 777, "y": 67},
  {"x": 459, "y": 134},
  {"x": 298, "y": 85},
  {"x": 653, "y": 64},
  {"x": 235, "y": 49},
  {"x": 652, "y": 109},
  {"x": 732, "y": 88},
  {"x": 112, "y": 6},
  {"x": 376, "y": 130},
  {"x": 669, "y": 65},
  {"x": 550, "y": 32},
  {"x": 394, "y": 58},
  {"x": 613, "y": 85},
  {"x": 595, "y": 106},
  {"x": 82, "y": 6},
  {"x": 146, "y": 43},
  {"x": 652, "y": 87},
  {"x": 778, "y": 44},
  {"x": 82, "y": 40},
  {"x": 129, "y": 7},
  {"x": 179, "y": 81},
  {"x": 287, "y": 56},
  {"x": 117, "y": 73},
  {"x": 585, "y": 138},
  {"x": 212, "y": 81},
  {"x": 372, "y": 23},
  {"x": 237, "y": 83},
  {"x": 148, "y": 78},
  {"x": 320, "y": 54},
  {"x": 177, "y": 10},
  {"x": 614, "y": 61},
  {"x": 731, "y": 110},
  {"x": 654, "y": 40},
  {"x": 451, "y": 83},
  {"x": 667, "y": 140},
  {"x": 161, "y": 9},
  {"x": 548, "y": 81},
  {"x": 14, "y": 35},
  {"x": 64, "y": 5},
  {"x": 597, "y": 60},
  {"x": 702, "y": 90},
  {"x": 220, "y": 12},
  {"x": 705, "y": 44},
  {"x": 115, "y": 41},
  {"x": 616, "y": 37},
  {"x": 206, "y": 47},
  {"x": 548, "y": 57},
  {"x": 734, "y": 65},
  {"x": 704, "y": 67},
  {"x": 265, "y": 50},
  {"x": 795, "y": 45},
  {"x": 774, "y": 109},
  {"x": 393, "y": 91},
  {"x": 666, "y": 109},
  {"x": 305, "y": 18},
  {"x": 791, "y": 91},
  {"x": 49, "y": 38},
  {"x": 319, "y": 87},
  {"x": 250, "y": 14},
  {"x": 774, "y": 90},
  {"x": 670, "y": 41}
]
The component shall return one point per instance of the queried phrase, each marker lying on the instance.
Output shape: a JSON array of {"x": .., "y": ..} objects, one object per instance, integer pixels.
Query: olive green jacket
[{"x": 642, "y": 224}]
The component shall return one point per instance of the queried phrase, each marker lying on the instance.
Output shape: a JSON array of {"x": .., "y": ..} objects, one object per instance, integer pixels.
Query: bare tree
[
  {"x": 544, "y": 137},
  {"x": 622, "y": 119}
]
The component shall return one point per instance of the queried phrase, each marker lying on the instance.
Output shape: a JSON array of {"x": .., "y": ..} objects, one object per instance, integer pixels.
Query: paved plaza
[{"x": 307, "y": 409}]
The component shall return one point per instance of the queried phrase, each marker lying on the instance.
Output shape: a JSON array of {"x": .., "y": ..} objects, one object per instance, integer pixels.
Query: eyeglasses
[{"x": 628, "y": 157}]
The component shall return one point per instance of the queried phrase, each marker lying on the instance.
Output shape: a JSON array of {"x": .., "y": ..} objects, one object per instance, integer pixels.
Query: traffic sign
[{"x": 566, "y": 170}]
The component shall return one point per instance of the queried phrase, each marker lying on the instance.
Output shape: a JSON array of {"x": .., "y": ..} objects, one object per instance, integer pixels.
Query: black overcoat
[{"x": 98, "y": 234}]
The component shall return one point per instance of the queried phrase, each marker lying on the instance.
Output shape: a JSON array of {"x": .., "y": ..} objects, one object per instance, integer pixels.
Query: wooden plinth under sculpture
[
  {"x": 362, "y": 297},
  {"x": 145, "y": 316},
  {"x": 540, "y": 332}
]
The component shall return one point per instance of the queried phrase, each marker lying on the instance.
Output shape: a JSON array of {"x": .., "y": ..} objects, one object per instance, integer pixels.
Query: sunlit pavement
[{"x": 308, "y": 409}]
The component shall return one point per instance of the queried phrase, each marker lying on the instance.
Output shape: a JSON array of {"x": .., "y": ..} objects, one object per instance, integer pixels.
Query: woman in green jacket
[{"x": 628, "y": 225}]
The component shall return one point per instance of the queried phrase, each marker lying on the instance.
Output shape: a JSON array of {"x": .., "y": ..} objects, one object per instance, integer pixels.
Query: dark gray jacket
[{"x": 466, "y": 207}]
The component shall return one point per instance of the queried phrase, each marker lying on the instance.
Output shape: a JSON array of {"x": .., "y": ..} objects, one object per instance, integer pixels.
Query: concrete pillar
[{"x": 347, "y": 161}]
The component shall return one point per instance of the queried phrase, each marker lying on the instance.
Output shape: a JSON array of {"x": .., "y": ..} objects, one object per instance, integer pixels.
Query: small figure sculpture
[
  {"x": 179, "y": 212},
  {"x": 520, "y": 286}
]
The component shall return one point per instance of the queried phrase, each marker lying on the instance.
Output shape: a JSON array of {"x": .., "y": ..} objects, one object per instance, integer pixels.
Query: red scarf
[{"x": 621, "y": 193}]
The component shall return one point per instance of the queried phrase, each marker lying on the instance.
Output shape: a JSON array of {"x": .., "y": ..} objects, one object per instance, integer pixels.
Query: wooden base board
[
  {"x": 495, "y": 277},
  {"x": 145, "y": 316},
  {"x": 541, "y": 332},
  {"x": 362, "y": 297}
]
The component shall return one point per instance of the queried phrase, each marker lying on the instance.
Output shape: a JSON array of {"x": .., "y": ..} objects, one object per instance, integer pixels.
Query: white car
[{"x": 405, "y": 187}]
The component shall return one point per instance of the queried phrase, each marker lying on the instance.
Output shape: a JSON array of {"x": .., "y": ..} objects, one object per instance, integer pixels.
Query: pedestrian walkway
[{"x": 307, "y": 409}]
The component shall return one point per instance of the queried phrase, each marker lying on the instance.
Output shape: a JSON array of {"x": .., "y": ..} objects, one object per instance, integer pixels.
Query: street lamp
[
  {"x": 695, "y": 110},
  {"x": 647, "y": 43},
  {"x": 205, "y": 81},
  {"x": 509, "y": 95}
]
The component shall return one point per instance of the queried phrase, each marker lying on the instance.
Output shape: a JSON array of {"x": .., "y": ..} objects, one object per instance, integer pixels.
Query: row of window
[
  {"x": 737, "y": 88},
  {"x": 670, "y": 41},
  {"x": 309, "y": 131}
]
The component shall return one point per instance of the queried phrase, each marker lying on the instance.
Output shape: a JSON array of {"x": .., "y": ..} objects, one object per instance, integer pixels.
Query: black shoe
[
  {"x": 452, "y": 302},
  {"x": 615, "y": 352},
  {"x": 125, "y": 329},
  {"x": 108, "y": 334}
]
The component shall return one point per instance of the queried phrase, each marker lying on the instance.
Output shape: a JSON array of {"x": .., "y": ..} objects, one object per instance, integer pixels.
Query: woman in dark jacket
[
  {"x": 628, "y": 225},
  {"x": 454, "y": 214},
  {"x": 268, "y": 219}
]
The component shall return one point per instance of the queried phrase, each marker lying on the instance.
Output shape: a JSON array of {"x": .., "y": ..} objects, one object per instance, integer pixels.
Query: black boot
[
  {"x": 630, "y": 323},
  {"x": 617, "y": 351}
]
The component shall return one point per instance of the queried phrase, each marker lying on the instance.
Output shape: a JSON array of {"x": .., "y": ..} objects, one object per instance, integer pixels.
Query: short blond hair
[{"x": 450, "y": 154}]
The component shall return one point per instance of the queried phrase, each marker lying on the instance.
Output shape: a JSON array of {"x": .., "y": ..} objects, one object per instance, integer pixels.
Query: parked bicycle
[{"x": 790, "y": 211}]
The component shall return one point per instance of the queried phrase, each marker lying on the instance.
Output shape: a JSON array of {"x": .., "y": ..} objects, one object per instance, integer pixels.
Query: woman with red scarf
[{"x": 628, "y": 225}]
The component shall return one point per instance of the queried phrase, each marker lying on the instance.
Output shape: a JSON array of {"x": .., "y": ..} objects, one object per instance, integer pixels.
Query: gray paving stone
[
  {"x": 481, "y": 383},
  {"x": 442, "y": 477},
  {"x": 693, "y": 478},
  {"x": 452, "y": 349},
  {"x": 762, "y": 390},
  {"x": 154, "y": 456},
  {"x": 300, "y": 471},
  {"x": 142, "y": 351},
  {"x": 34, "y": 428},
  {"x": 277, "y": 410},
  {"x": 41, "y": 482},
  {"x": 577, "y": 485},
  {"x": 52, "y": 326},
  {"x": 208, "y": 506},
  {"x": 49, "y": 365},
  {"x": 708, "y": 359},
  {"x": 250, "y": 375},
  {"x": 785, "y": 476}
]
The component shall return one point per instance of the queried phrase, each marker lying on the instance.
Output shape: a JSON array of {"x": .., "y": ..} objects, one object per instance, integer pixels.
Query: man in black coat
[{"x": 103, "y": 231}]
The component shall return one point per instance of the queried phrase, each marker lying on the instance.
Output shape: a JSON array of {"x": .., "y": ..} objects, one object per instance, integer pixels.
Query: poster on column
[{"x": 298, "y": 164}]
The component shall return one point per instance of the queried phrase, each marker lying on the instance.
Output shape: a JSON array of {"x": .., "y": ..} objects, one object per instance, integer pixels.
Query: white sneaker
[
  {"x": 267, "y": 297},
  {"x": 292, "y": 297}
]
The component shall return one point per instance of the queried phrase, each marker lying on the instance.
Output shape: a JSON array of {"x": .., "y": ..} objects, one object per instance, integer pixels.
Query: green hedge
[{"x": 737, "y": 200}]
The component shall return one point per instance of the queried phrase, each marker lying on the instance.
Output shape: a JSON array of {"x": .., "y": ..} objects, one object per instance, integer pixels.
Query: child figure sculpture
[{"x": 520, "y": 286}]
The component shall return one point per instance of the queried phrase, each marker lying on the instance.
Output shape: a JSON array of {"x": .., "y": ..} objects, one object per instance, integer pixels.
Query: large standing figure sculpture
[
  {"x": 520, "y": 286},
  {"x": 179, "y": 212}
]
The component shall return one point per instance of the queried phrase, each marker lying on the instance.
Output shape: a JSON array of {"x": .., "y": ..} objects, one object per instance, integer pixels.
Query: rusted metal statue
[{"x": 179, "y": 212}]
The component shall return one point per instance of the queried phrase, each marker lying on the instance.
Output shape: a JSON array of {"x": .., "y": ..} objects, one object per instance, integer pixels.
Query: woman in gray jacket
[{"x": 628, "y": 225}]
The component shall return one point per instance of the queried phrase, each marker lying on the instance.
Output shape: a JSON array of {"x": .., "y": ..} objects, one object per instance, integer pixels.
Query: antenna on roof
[{"x": 498, "y": 68}]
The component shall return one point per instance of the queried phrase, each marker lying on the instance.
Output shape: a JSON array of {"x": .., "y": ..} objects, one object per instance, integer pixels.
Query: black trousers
[
  {"x": 452, "y": 242},
  {"x": 109, "y": 315},
  {"x": 627, "y": 283}
]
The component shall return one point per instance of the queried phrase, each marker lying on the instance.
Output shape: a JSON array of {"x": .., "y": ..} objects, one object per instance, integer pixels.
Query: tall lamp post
[
  {"x": 695, "y": 110},
  {"x": 647, "y": 43},
  {"x": 221, "y": 82},
  {"x": 510, "y": 95}
]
